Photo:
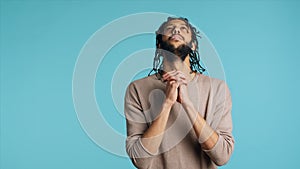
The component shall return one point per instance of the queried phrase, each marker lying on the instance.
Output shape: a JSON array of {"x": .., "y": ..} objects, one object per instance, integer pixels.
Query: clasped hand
[{"x": 176, "y": 89}]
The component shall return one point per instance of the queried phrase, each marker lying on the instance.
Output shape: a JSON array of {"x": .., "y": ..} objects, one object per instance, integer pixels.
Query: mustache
[{"x": 170, "y": 37}]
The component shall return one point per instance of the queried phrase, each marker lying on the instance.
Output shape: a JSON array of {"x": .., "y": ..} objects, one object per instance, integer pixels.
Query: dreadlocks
[{"x": 194, "y": 54}]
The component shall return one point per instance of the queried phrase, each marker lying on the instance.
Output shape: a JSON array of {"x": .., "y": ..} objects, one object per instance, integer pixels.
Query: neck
[{"x": 175, "y": 63}]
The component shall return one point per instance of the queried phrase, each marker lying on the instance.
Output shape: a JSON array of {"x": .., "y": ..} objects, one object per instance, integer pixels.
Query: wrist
[
  {"x": 187, "y": 104},
  {"x": 168, "y": 103}
]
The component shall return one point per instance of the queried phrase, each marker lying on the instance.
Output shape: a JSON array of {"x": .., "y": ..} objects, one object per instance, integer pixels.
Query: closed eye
[
  {"x": 183, "y": 28},
  {"x": 169, "y": 28}
]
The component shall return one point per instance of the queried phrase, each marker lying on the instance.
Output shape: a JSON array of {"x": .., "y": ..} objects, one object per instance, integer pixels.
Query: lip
[{"x": 176, "y": 37}]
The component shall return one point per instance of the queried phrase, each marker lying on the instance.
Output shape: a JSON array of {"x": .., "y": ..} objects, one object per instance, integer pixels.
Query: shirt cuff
[
  {"x": 149, "y": 154},
  {"x": 215, "y": 147}
]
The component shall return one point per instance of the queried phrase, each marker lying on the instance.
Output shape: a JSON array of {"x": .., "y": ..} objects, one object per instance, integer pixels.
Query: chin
[{"x": 176, "y": 44}]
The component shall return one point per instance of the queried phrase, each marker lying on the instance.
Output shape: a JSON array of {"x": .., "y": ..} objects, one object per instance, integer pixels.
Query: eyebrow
[{"x": 180, "y": 25}]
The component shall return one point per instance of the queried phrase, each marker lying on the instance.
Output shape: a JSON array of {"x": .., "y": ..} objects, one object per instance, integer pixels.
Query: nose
[{"x": 176, "y": 30}]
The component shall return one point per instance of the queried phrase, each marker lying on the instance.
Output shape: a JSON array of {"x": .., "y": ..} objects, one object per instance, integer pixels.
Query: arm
[
  {"x": 153, "y": 136},
  {"x": 218, "y": 144},
  {"x": 143, "y": 141},
  {"x": 205, "y": 134}
]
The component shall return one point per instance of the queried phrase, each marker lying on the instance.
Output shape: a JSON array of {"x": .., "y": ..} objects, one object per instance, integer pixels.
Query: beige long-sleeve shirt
[{"x": 180, "y": 148}]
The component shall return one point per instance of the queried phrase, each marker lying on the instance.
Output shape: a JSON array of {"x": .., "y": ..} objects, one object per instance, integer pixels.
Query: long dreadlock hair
[{"x": 194, "y": 54}]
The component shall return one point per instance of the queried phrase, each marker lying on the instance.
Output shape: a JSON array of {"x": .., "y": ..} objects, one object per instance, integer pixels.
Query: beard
[{"x": 181, "y": 51}]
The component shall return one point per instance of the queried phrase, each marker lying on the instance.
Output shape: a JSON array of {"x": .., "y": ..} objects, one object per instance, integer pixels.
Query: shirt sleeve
[
  {"x": 222, "y": 123},
  {"x": 136, "y": 126}
]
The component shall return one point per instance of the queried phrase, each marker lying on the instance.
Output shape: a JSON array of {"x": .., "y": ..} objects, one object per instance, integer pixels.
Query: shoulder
[
  {"x": 147, "y": 79},
  {"x": 206, "y": 80},
  {"x": 144, "y": 83},
  {"x": 214, "y": 84}
]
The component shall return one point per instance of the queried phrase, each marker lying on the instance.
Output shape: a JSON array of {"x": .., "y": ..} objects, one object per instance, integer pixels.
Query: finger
[
  {"x": 177, "y": 73},
  {"x": 173, "y": 72},
  {"x": 176, "y": 77},
  {"x": 182, "y": 82},
  {"x": 167, "y": 73},
  {"x": 180, "y": 74},
  {"x": 171, "y": 83}
]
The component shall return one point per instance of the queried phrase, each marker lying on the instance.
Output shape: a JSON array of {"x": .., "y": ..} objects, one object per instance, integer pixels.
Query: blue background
[{"x": 257, "y": 41}]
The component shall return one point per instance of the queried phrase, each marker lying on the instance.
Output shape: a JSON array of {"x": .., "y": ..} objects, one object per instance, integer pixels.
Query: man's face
[
  {"x": 177, "y": 39},
  {"x": 176, "y": 33}
]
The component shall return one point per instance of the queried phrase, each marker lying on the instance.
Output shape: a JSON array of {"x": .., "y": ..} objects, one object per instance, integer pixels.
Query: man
[{"x": 178, "y": 118}]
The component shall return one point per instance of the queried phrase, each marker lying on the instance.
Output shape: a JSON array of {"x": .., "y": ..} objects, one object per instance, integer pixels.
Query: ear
[{"x": 193, "y": 46}]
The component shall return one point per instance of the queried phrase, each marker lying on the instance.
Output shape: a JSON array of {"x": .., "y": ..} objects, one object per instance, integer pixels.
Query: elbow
[
  {"x": 138, "y": 156},
  {"x": 141, "y": 162},
  {"x": 224, "y": 158},
  {"x": 221, "y": 161},
  {"x": 222, "y": 152},
  {"x": 132, "y": 155}
]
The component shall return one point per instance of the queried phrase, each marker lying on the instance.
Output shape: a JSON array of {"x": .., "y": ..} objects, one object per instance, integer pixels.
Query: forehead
[{"x": 176, "y": 22}]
